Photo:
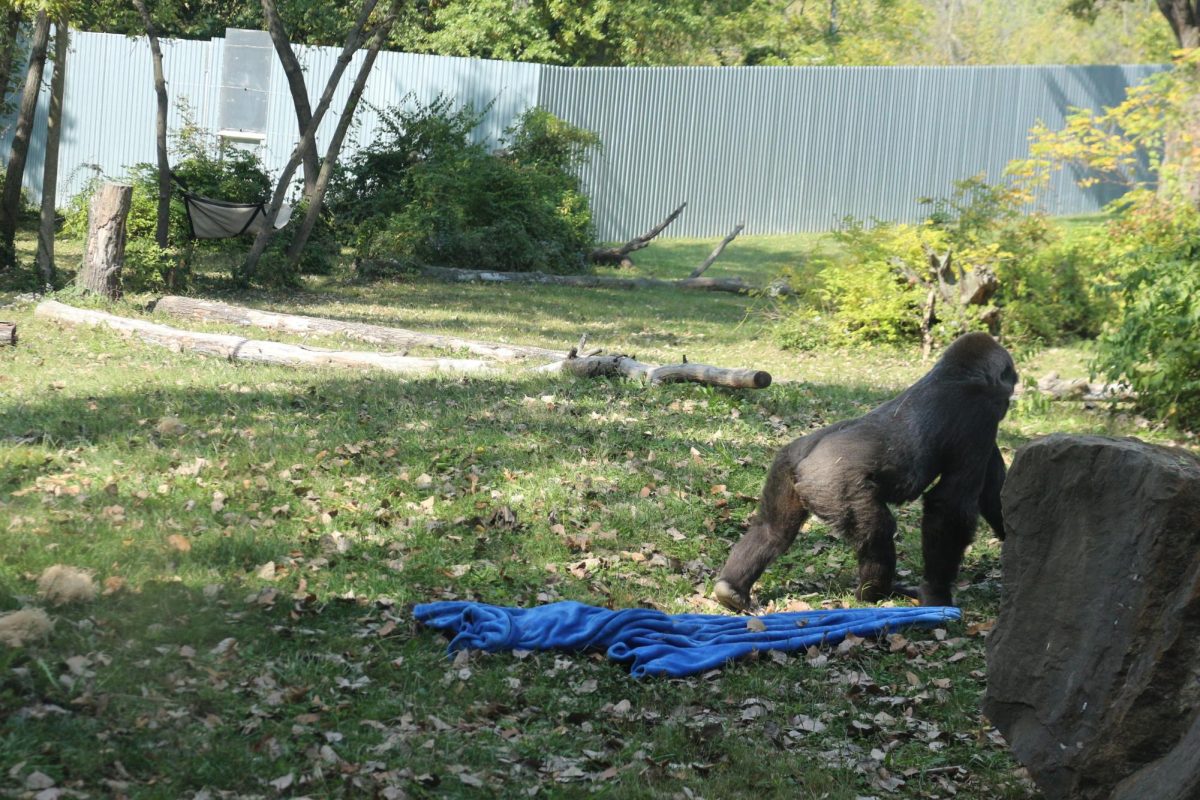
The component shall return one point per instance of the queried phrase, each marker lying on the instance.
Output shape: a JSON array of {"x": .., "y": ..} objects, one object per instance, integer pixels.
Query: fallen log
[
  {"x": 593, "y": 366},
  {"x": 716, "y": 253},
  {"x": 236, "y": 348},
  {"x": 733, "y": 285},
  {"x": 8, "y": 334},
  {"x": 210, "y": 311},
  {"x": 620, "y": 255}
]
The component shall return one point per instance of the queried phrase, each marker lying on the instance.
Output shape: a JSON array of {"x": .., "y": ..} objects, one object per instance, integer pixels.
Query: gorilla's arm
[{"x": 989, "y": 498}]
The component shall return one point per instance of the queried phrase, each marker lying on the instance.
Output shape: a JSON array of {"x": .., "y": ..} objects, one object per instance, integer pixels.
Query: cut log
[
  {"x": 620, "y": 255},
  {"x": 733, "y": 285},
  {"x": 236, "y": 348},
  {"x": 619, "y": 365},
  {"x": 210, "y": 311},
  {"x": 8, "y": 334},
  {"x": 104, "y": 254},
  {"x": 716, "y": 253}
]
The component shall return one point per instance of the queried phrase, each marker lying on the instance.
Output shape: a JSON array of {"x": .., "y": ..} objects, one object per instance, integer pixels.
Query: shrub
[
  {"x": 426, "y": 194},
  {"x": 1153, "y": 346},
  {"x": 1050, "y": 286},
  {"x": 223, "y": 172}
]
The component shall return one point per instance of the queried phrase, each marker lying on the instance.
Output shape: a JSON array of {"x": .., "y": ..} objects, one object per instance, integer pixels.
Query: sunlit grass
[{"x": 259, "y": 534}]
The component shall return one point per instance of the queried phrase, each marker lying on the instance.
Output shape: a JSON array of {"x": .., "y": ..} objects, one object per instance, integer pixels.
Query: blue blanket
[{"x": 658, "y": 643}]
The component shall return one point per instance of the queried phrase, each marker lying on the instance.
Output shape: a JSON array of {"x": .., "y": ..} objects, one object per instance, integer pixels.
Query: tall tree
[
  {"x": 1180, "y": 167},
  {"x": 354, "y": 42},
  {"x": 317, "y": 196},
  {"x": 295, "y": 79},
  {"x": 54, "y": 120},
  {"x": 8, "y": 51},
  {"x": 1182, "y": 15},
  {"x": 10, "y": 201},
  {"x": 162, "y": 228}
]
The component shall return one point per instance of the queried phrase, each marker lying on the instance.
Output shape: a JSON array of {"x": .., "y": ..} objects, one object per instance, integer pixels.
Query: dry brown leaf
[
  {"x": 755, "y": 624},
  {"x": 178, "y": 542}
]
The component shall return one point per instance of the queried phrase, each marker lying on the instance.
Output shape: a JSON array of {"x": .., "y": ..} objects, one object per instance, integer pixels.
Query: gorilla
[{"x": 942, "y": 427}]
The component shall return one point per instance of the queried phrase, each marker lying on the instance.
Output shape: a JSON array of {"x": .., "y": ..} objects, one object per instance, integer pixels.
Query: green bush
[
  {"x": 866, "y": 297},
  {"x": 426, "y": 194},
  {"x": 1062, "y": 290},
  {"x": 1050, "y": 285},
  {"x": 226, "y": 173},
  {"x": 1154, "y": 346}
]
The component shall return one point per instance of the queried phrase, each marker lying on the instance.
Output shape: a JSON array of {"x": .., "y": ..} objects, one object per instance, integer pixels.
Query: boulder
[{"x": 1094, "y": 662}]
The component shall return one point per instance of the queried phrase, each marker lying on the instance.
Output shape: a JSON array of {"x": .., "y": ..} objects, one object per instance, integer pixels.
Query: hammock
[{"x": 217, "y": 219}]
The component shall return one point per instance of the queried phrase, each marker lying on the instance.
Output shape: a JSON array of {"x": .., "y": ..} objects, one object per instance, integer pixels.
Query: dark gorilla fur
[{"x": 943, "y": 427}]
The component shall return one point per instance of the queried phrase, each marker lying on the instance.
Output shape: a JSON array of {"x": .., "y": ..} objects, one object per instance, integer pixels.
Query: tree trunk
[
  {"x": 10, "y": 203},
  {"x": 104, "y": 253},
  {"x": 1179, "y": 145},
  {"x": 354, "y": 42},
  {"x": 1181, "y": 16},
  {"x": 295, "y": 79},
  {"x": 597, "y": 366},
  {"x": 162, "y": 227},
  {"x": 209, "y": 311},
  {"x": 733, "y": 285},
  {"x": 8, "y": 334},
  {"x": 12, "y": 26},
  {"x": 236, "y": 348},
  {"x": 48, "y": 222},
  {"x": 317, "y": 196}
]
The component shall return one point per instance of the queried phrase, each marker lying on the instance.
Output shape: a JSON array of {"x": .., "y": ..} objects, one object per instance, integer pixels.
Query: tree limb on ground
[
  {"x": 236, "y": 348},
  {"x": 210, "y": 311},
  {"x": 592, "y": 366},
  {"x": 716, "y": 253},
  {"x": 734, "y": 285},
  {"x": 620, "y": 255}
]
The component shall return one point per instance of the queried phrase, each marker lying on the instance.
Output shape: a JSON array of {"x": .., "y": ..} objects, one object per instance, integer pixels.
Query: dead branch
[
  {"x": 620, "y": 255},
  {"x": 734, "y": 285},
  {"x": 716, "y": 253},
  {"x": 624, "y": 366},
  {"x": 400, "y": 338},
  {"x": 236, "y": 348}
]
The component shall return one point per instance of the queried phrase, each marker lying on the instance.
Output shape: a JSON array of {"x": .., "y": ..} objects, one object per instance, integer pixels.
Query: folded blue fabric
[{"x": 656, "y": 643}]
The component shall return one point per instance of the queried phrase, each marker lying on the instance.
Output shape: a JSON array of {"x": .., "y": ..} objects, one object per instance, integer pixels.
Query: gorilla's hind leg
[
  {"x": 869, "y": 524},
  {"x": 780, "y": 515}
]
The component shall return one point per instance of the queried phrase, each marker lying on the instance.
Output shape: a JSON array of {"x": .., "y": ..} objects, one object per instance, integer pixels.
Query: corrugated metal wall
[
  {"x": 798, "y": 148},
  {"x": 781, "y": 148}
]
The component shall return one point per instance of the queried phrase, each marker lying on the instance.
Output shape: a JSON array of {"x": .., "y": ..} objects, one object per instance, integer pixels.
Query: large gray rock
[{"x": 1094, "y": 662}]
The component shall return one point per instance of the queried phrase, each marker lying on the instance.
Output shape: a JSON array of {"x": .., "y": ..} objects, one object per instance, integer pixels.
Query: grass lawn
[{"x": 259, "y": 535}]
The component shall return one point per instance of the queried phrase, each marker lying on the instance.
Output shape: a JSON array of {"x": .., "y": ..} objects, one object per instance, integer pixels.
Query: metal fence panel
[
  {"x": 797, "y": 148},
  {"x": 782, "y": 149}
]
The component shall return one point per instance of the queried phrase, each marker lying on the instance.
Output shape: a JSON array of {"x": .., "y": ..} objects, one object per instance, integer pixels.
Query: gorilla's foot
[
  {"x": 935, "y": 595},
  {"x": 730, "y": 597}
]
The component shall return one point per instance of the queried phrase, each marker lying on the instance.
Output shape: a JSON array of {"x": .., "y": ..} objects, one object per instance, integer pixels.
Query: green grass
[{"x": 301, "y": 513}]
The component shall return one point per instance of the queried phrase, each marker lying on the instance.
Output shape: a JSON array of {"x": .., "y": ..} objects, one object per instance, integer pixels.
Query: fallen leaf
[
  {"x": 755, "y": 624},
  {"x": 224, "y": 646},
  {"x": 180, "y": 543},
  {"x": 38, "y": 780},
  {"x": 170, "y": 426},
  {"x": 283, "y": 782}
]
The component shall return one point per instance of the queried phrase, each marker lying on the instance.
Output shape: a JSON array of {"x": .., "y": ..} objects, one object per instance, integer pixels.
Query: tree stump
[
  {"x": 8, "y": 333},
  {"x": 104, "y": 254}
]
